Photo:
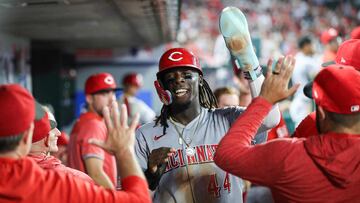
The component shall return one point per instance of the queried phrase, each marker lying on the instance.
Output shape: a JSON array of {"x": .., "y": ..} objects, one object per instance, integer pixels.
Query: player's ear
[
  {"x": 88, "y": 98},
  {"x": 322, "y": 115}
]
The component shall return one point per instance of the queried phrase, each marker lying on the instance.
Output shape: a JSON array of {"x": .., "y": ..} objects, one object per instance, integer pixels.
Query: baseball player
[
  {"x": 347, "y": 54},
  {"x": 331, "y": 40},
  {"x": 307, "y": 66},
  {"x": 132, "y": 82},
  {"x": 98, "y": 164},
  {"x": 22, "y": 180},
  {"x": 176, "y": 151},
  {"x": 44, "y": 142},
  {"x": 317, "y": 169}
]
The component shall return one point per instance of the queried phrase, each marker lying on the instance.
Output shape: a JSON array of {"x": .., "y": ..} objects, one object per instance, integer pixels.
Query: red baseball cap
[
  {"x": 177, "y": 58},
  {"x": 133, "y": 79},
  {"x": 328, "y": 35},
  {"x": 355, "y": 33},
  {"x": 337, "y": 89},
  {"x": 349, "y": 53},
  {"x": 41, "y": 128},
  {"x": 18, "y": 110},
  {"x": 100, "y": 82}
]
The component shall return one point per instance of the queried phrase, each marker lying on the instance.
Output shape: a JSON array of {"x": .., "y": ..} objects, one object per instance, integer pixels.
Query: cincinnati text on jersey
[{"x": 203, "y": 154}]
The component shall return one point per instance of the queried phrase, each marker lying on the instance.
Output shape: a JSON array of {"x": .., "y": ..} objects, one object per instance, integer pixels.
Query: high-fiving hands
[
  {"x": 121, "y": 137},
  {"x": 275, "y": 87}
]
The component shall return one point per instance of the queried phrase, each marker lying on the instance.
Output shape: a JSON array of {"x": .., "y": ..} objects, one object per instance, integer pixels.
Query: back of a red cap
[
  {"x": 337, "y": 89},
  {"x": 349, "y": 53},
  {"x": 355, "y": 33},
  {"x": 17, "y": 107},
  {"x": 133, "y": 79},
  {"x": 328, "y": 35},
  {"x": 41, "y": 128}
]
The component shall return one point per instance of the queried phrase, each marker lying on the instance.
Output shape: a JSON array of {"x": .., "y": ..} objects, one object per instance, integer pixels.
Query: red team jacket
[
  {"x": 22, "y": 180},
  {"x": 322, "y": 168},
  {"x": 52, "y": 163},
  {"x": 307, "y": 127}
]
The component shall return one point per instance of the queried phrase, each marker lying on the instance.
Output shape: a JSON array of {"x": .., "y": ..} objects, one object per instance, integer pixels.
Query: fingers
[
  {"x": 135, "y": 122},
  {"x": 171, "y": 152},
  {"x": 115, "y": 114},
  {"x": 278, "y": 65},
  {"x": 269, "y": 68},
  {"x": 97, "y": 142},
  {"x": 290, "y": 68},
  {"x": 124, "y": 116},
  {"x": 292, "y": 90},
  {"x": 285, "y": 63},
  {"x": 108, "y": 122}
]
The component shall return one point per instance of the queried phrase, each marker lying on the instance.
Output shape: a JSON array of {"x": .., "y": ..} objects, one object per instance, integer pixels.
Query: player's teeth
[{"x": 180, "y": 91}]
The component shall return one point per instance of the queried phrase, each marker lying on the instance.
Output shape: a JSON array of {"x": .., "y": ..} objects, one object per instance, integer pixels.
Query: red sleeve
[
  {"x": 261, "y": 164},
  {"x": 91, "y": 130},
  {"x": 69, "y": 189}
]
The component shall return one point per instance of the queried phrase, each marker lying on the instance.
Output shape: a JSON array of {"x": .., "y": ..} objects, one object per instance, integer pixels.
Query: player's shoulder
[
  {"x": 149, "y": 127},
  {"x": 228, "y": 109}
]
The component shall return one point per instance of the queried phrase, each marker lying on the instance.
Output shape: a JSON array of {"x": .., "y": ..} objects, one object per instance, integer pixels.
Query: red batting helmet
[
  {"x": 178, "y": 57},
  {"x": 133, "y": 79}
]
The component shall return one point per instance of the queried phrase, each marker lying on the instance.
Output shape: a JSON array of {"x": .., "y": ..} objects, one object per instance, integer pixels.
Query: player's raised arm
[
  {"x": 235, "y": 153},
  {"x": 234, "y": 28}
]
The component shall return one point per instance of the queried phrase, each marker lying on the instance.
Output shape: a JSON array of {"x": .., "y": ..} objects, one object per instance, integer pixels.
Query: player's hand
[
  {"x": 121, "y": 138},
  {"x": 275, "y": 87},
  {"x": 158, "y": 157}
]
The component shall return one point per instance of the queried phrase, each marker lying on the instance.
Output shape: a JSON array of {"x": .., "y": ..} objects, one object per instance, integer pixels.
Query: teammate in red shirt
[
  {"x": 348, "y": 54},
  {"x": 44, "y": 141},
  {"x": 22, "y": 179},
  {"x": 317, "y": 169},
  {"x": 98, "y": 164}
]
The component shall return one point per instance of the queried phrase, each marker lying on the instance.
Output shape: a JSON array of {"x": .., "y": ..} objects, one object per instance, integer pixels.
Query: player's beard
[
  {"x": 99, "y": 110},
  {"x": 179, "y": 107}
]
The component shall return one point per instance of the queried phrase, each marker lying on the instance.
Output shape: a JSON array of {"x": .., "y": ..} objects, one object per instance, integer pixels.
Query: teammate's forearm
[
  {"x": 229, "y": 153},
  {"x": 102, "y": 179},
  {"x": 128, "y": 165}
]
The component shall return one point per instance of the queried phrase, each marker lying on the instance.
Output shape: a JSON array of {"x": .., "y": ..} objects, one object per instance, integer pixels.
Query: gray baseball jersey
[{"x": 191, "y": 174}]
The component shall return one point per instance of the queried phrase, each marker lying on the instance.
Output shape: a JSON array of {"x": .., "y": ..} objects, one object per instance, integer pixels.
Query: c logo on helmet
[
  {"x": 171, "y": 56},
  {"x": 109, "y": 80}
]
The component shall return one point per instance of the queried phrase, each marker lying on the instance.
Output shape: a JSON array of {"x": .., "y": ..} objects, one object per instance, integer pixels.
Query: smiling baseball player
[{"x": 176, "y": 151}]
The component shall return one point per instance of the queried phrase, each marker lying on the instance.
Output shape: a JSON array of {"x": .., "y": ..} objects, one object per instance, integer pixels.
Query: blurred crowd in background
[{"x": 277, "y": 24}]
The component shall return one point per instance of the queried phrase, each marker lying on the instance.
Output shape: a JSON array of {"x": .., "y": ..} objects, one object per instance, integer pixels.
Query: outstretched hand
[
  {"x": 121, "y": 137},
  {"x": 275, "y": 87}
]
